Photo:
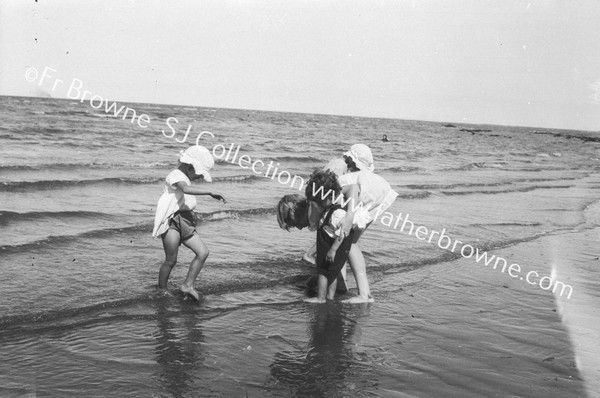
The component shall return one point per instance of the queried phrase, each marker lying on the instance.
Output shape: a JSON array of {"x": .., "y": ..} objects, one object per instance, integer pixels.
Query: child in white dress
[
  {"x": 368, "y": 195},
  {"x": 175, "y": 222}
]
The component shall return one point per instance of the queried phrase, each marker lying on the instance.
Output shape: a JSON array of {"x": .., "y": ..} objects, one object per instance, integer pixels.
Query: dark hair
[
  {"x": 322, "y": 185},
  {"x": 293, "y": 205},
  {"x": 187, "y": 168},
  {"x": 351, "y": 165}
]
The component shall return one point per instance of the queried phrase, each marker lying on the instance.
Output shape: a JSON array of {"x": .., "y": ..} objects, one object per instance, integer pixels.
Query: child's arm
[
  {"x": 333, "y": 250},
  {"x": 193, "y": 190},
  {"x": 336, "y": 221},
  {"x": 351, "y": 192}
]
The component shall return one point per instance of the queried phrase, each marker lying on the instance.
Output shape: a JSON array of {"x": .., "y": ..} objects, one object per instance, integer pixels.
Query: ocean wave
[
  {"x": 298, "y": 159},
  {"x": 226, "y": 161},
  {"x": 71, "y": 112},
  {"x": 118, "y": 309},
  {"x": 23, "y": 132},
  {"x": 93, "y": 165},
  {"x": 20, "y": 186},
  {"x": 42, "y": 185},
  {"x": 7, "y": 217},
  {"x": 240, "y": 178},
  {"x": 478, "y": 165},
  {"x": 282, "y": 160},
  {"x": 448, "y": 256},
  {"x": 452, "y": 186},
  {"x": 507, "y": 224},
  {"x": 234, "y": 214},
  {"x": 270, "y": 272},
  {"x": 143, "y": 228},
  {"x": 56, "y": 240},
  {"x": 400, "y": 169},
  {"x": 445, "y": 256},
  {"x": 514, "y": 166},
  {"x": 529, "y": 179},
  {"x": 582, "y": 136},
  {"x": 414, "y": 195},
  {"x": 103, "y": 115},
  {"x": 488, "y": 184},
  {"x": 10, "y": 136},
  {"x": 516, "y": 189},
  {"x": 469, "y": 166}
]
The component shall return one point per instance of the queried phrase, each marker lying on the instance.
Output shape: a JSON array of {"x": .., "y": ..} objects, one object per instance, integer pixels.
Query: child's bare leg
[
  {"x": 201, "y": 252},
  {"x": 359, "y": 269},
  {"x": 321, "y": 292},
  {"x": 341, "y": 280},
  {"x": 171, "y": 246},
  {"x": 331, "y": 290}
]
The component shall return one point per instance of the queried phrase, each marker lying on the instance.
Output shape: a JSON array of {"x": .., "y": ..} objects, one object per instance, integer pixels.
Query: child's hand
[
  {"x": 218, "y": 197},
  {"x": 330, "y": 255},
  {"x": 346, "y": 228}
]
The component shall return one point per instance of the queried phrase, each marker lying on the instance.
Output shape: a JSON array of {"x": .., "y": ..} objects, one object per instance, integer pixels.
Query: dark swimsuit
[
  {"x": 324, "y": 243},
  {"x": 184, "y": 222}
]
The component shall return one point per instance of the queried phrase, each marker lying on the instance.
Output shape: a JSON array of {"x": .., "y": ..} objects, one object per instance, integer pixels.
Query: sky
[{"x": 498, "y": 62}]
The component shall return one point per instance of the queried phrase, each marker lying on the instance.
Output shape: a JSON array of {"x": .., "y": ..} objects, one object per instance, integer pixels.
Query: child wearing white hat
[
  {"x": 359, "y": 157},
  {"x": 175, "y": 222},
  {"x": 369, "y": 195}
]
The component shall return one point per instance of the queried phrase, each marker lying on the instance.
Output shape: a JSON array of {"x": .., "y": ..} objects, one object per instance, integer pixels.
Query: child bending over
[
  {"x": 292, "y": 211},
  {"x": 332, "y": 252}
]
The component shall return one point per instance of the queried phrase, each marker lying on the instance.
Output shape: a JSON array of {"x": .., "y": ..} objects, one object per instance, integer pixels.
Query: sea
[{"x": 81, "y": 313}]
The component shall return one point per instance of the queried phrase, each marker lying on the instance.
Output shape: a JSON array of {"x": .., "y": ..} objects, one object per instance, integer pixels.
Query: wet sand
[{"x": 466, "y": 330}]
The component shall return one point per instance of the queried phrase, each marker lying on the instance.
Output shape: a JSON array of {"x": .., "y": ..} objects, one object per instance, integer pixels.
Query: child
[
  {"x": 339, "y": 167},
  {"x": 292, "y": 211},
  {"x": 368, "y": 195},
  {"x": 175, "y": 222},
  {"x": 332, "y": 253}
]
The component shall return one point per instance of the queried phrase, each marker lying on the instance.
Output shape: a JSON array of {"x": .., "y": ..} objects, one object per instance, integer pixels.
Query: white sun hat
[
  {"x": 199, "y": 157},
  {"x": 361, "y": 154}
]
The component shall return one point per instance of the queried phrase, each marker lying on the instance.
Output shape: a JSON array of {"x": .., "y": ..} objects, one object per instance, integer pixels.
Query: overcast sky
[{"x": 502, "y": 62}]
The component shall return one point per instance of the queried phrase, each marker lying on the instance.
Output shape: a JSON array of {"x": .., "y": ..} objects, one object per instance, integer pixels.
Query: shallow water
[{"x": 82, "y": 315}]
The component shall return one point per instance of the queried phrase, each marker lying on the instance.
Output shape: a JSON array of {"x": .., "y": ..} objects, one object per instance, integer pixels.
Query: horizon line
[{"x": 302, "y": 113}]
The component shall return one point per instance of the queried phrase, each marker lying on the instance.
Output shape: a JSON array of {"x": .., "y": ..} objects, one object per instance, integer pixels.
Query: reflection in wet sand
[
  {"x": 328, "y": 365},
  {"x": 179, "y": 351}
]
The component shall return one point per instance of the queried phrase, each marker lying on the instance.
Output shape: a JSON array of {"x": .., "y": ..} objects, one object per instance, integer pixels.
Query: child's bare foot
[
  {"x": 314, "y": 300},
  {"x": 358, "y": 300},
  {"x": 190, "y": 291},
  {"x": 309, "y": 259}
]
